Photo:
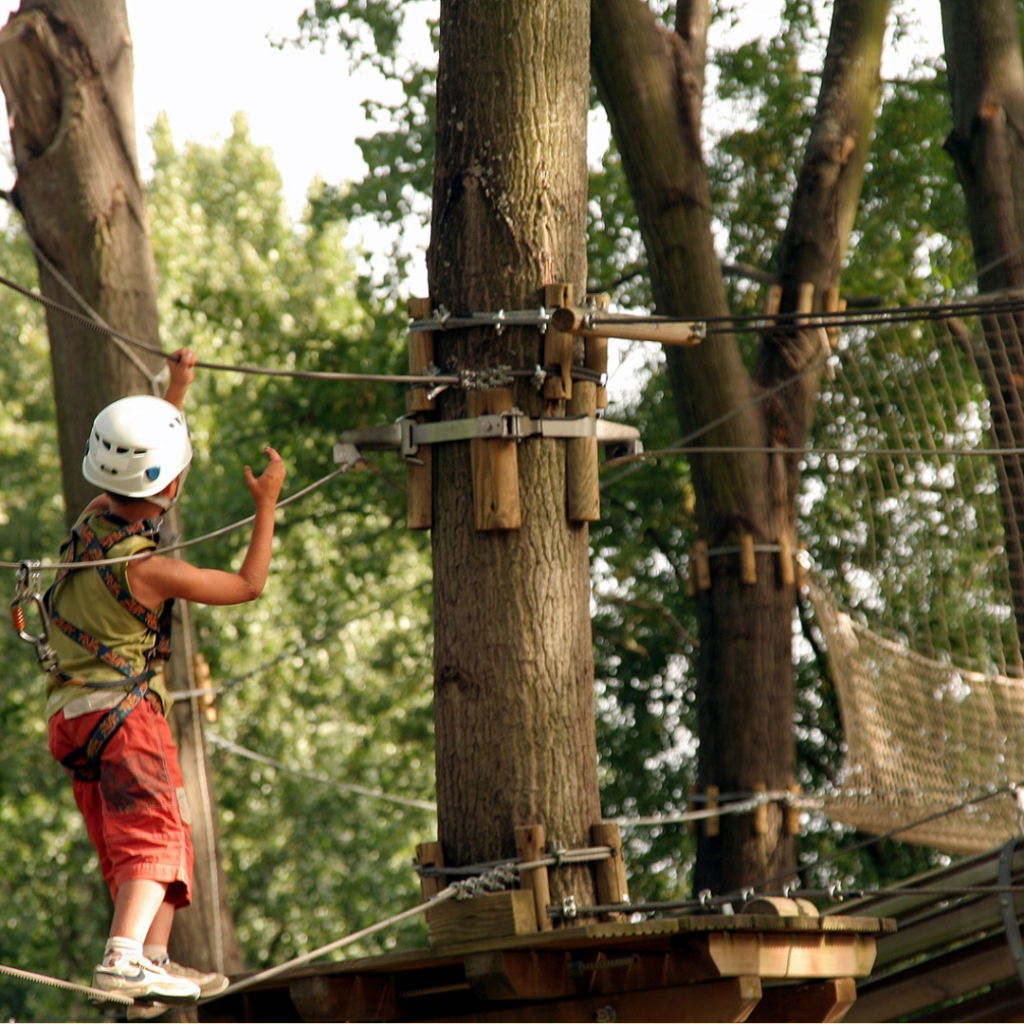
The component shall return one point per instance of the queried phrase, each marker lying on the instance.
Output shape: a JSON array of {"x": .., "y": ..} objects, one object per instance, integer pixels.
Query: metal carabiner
[{"x": 28, "y": 573}]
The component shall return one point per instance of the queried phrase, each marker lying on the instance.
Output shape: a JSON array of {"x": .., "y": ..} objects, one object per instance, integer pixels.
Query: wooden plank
[
  {"x": 728, "y": 1000},
  {"x": 558, "y": 344},
  {"x": 530, "y": 843},
  {"x": 483, "y": 917},
  {"x": 1001, "y": 1004},
  {"x": 656, "y": 935},
  {"x": 495, "y": 467},
  {"x": 610, "y": 875},
  {"x": 829, "y": 956},
  {"x": 357, "y": 997},
  {"x": 954, "y": 974},
  {"x": 582, "y": 485},
  {"x": 430, "y": 855},
  {"x": 574, "y": 320},
  {"x": 818, "y": 1001},
  {"x": 499, "y": 975}
]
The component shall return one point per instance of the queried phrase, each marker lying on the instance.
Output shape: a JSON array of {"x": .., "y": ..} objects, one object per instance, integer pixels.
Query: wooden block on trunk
[{"x": 483, "y": 917}]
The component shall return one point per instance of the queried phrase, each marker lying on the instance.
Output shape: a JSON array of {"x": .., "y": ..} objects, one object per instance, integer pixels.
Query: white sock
[
  {"x": 158, "y": 954},
  {"x": 118, "y": 946}
]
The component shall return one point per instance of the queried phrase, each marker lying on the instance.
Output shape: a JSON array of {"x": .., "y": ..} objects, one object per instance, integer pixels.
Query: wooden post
[
  {"x": 804, "y": 299},
  {"x": 420, "y": 474},
  {"x": 793, "y": 812},
  {"x": 712, "y": 825},
  {"x": 530, "y": 841},
  {"x": 558, "y": 344},
  {"x": 595, "y": 350},
  {"x": 610, "y": 874},
  {"x": 430, "y": 855},
  {"x": 583, "y": 489},
  {"x": 201, "y": 672},
  {"x": 748, "y": 560},
  {"x": 761, "y": 812},
  {"x": 701, "y": 565},
  {"x": 495, "y": 467},
  {"x": 773, "y": 300},
  {"x": 421, "y": 355},
  {"x": 787, "y": 574},
  {"x": 574, "y": 320}
]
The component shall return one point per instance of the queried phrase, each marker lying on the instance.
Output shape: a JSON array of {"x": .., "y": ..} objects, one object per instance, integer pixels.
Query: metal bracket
[
  {"x": 407, "y": 434},
  {"x": 1006, "y": 907}
]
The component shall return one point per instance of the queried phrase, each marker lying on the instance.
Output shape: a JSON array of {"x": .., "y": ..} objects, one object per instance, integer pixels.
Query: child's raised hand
[
  {"x": 183, "y": 371},
  {"x": 266, "y": 488}
]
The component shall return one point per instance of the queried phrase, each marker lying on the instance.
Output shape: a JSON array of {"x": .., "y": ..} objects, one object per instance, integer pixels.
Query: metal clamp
[
  {"x": 407, "y": 434},
  {"x": 26, "y": 578}
]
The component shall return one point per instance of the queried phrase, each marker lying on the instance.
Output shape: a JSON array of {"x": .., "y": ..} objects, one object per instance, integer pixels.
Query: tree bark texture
[
  {"x": 986, "y": 79},
  {"x": 651, "y": 81},
  {"x": 66, "y": 71},
  {"x": 514, "y": 715}
]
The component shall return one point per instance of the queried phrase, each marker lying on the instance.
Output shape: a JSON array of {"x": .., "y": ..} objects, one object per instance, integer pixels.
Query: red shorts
[{"x": 136, "y": 814}]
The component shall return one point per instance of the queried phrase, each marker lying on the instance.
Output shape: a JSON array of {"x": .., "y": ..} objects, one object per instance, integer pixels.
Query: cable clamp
[
  {"x": 835, "y": 892},
  {"x": 440, "y": 316},
  {"x": 569, "y": 910},
  {"x": 704, "y": 899}
]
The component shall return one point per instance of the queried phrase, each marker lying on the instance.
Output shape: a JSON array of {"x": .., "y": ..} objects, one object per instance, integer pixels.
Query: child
[{"x": 106, "y": 701}]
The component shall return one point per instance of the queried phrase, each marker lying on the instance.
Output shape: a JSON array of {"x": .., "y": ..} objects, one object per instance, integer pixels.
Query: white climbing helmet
[{"x": 137, "y": 446}]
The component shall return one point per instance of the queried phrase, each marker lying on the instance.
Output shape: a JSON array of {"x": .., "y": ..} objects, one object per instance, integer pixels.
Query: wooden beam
[
  {"x": 953, "y": 974},
  {"x": 558, "y": 345},
  {"x": 495, "y": 467},
  {"x": 500, "y": 975},
  {"x": 730, "y": 999},
  {"x": 484, "y": 917},
  {"x": 334, "y": 997},
  {"x": 530, "y": 842},
  {"x": 816, "y": 1001},
  {"x": 575, "y": 320}
]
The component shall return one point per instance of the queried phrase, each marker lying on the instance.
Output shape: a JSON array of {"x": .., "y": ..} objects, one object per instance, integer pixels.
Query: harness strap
[
  {"x": 84, "y": 763},
  {"x": 95, "y": 550}
]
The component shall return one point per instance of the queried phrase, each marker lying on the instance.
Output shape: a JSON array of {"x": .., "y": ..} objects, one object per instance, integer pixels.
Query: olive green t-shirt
[{"x": 82, "y": 598}]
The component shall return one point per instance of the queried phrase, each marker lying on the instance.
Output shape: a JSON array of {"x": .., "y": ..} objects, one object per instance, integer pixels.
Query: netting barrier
[{"x": 913, "y": 510}]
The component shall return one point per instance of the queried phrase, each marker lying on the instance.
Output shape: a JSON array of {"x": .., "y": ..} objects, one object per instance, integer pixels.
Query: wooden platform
[{"x": 702, "y": 968}]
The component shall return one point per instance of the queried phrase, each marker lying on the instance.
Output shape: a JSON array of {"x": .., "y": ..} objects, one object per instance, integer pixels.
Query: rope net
[{"x": 913, "y": 502}]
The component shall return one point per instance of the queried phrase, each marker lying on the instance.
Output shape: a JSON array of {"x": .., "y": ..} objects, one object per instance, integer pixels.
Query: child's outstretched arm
[
  {"x": 156, "y": 579},
  {"x": 183, "y": 371}
]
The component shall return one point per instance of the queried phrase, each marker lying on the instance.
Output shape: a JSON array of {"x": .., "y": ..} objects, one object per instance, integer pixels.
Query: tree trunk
[
  {"x": 650, "y": 81},
  {"x": 66, "y": 70},
  {"x": 986, "y": 79},
  {"x": 514, "y": 718}
]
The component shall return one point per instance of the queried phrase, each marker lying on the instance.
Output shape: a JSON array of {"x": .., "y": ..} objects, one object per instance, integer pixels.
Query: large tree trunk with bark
[
  {"x": 651, "y": 83},
  {"x": 514, "y": 716},
  {"x": 66, "y": 71},
  {"x": 986, "y": 79}
]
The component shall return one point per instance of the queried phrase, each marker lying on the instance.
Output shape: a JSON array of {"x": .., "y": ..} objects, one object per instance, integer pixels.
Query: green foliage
[{"x": 329, "y": 673}]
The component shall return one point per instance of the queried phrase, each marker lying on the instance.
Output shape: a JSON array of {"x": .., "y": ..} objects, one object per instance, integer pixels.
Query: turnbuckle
[{"x": 26, "y": 592}]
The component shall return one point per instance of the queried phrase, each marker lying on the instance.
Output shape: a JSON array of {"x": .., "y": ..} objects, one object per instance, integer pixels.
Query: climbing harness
[
  {"x": 84, "y": 763},
  {"x": 95, "y": 550}
]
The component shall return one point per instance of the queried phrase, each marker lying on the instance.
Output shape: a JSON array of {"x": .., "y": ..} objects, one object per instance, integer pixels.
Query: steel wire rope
[
  {"x": 180, "y": 545},
  {"x": 377, "y": 794},
  {"x": 379, "y": 378},
  {"x": 825, "y": 858}
]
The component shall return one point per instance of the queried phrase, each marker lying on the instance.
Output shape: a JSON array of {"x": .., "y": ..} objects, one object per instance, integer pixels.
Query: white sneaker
[
  {"x": 148, "y": 1011},
  {"x": 210, "y": 983},
  {"x": 141, "y": 979}
]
